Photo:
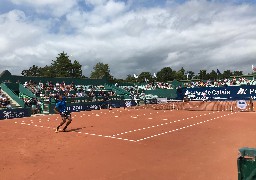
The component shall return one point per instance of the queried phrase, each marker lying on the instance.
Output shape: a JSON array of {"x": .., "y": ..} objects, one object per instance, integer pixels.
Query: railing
[{"x": 25, "y": 91}]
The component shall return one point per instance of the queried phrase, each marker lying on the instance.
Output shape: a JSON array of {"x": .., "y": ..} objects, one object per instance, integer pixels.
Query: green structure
[{"x": 246, "y": 164}]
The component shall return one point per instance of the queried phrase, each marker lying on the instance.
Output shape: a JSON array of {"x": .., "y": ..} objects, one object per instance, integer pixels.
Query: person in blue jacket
[{"x": 61, "y": 108}]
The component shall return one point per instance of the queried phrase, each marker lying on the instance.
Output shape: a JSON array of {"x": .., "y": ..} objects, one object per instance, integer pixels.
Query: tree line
[{"x": 62, "y": 66}]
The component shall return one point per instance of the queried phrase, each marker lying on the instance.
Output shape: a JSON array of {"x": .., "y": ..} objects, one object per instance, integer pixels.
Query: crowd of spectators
[
  {"x": 147, "y": 86},
  {"x": 35, "y": 104},
  {"x": 134, "y": 92},
  {"x": 220, "y": 83},
  {"x": 156, "y": 85},
  {"x": 49, "y": 90},
  {"x": 138, "y": 92},
  {"x": 46, "y": 92}
]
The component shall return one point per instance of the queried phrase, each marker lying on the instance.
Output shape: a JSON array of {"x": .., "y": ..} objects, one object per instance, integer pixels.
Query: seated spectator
[
  {"x": 4, "y": 100},
  {"x": 80, "y": 93},
  {"x": 26, "y": 102},
  {"x": 4, "y": 103}
]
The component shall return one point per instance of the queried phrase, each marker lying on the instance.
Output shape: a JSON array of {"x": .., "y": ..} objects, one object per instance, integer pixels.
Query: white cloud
[
  {"x": 196, "y": 35},
  {"x": 110, "y": 9},
  {"x": 56, "y": 8}
]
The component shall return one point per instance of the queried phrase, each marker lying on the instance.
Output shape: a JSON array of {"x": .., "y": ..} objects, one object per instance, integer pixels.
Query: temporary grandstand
[{"x": 88, "y": 94}]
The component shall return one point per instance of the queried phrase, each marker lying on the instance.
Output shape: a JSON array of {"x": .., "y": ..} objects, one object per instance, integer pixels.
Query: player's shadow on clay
[{"x": 74, "y": 130}]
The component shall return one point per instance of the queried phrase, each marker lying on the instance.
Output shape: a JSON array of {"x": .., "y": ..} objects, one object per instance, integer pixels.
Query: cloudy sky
[{"x": 130, "y": 35}]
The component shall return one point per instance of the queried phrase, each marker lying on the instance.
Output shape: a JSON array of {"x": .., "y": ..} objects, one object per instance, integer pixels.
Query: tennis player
[{"x": 61, "y": 108}]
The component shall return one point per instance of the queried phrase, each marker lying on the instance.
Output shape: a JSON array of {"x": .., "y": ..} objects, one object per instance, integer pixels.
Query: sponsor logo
[
  {"x": 241, "y": 104},
  {"x": 128, "y": 103},
  {"x": 13, "y": 114},
  {"x": 241, "y": 91},
  {"x": 94, "y": 107}
]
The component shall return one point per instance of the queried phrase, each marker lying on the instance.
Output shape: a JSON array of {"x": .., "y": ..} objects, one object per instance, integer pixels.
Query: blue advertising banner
[
  {"x": 76, "y": 107},
  {"x": 15, "y": 113},
  {"x": 82, "y": 107},
  {"x": 219, "y": 93}
]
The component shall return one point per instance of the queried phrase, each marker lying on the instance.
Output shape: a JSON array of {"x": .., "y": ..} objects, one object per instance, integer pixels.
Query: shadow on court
[{"x": 74, "y": 129}]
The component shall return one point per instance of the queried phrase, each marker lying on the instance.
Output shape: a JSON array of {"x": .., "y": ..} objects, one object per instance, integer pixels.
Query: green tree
[
  {"x": 47, "y": 71},
  {"x": 202, "y": 75},
  {"x": 101, "y": 70},
  {"x": 165, "y": 74},
  {"x": 61, "y": 67},
  {"x": 32, "y": 71},
  {"x": 130, "y": 78},
  {"x": 226, "y": 74},
  {"x": 76, "y": 70},
  {"x": 238, "y": 73},
  {"x": 145, "y": 76},
  {"x": 180, "y": 74},
  {"x": 191, "y": 74},
  {"x": 212, "y": 75}
]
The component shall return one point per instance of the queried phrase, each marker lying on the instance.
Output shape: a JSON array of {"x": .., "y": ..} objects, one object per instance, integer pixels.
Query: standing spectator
[{"x": 34, "y": 106}]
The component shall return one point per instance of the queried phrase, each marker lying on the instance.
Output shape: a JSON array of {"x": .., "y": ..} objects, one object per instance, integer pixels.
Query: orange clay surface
[{"x": 126, "y": 144}]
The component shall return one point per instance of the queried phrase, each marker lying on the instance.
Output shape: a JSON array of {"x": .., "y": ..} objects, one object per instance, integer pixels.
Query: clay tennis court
[{"x": 126, "y": 144}]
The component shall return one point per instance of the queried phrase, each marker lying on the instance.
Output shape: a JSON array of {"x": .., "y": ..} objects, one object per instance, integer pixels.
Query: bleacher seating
[{"x": 45, "y": 90}]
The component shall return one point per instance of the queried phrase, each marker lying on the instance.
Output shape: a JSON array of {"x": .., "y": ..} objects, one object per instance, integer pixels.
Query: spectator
[
  {"x": 34, "y": 106},
  {"x": 4, "y": 100}
]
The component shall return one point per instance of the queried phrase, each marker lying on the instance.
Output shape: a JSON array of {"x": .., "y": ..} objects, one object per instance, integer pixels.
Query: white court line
[
  {"x": 79, "y": 132},
  {"x": 157, "y": 125},
  {"x": 113, "y": 137},
  {"x": 177, "y": 129}
]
